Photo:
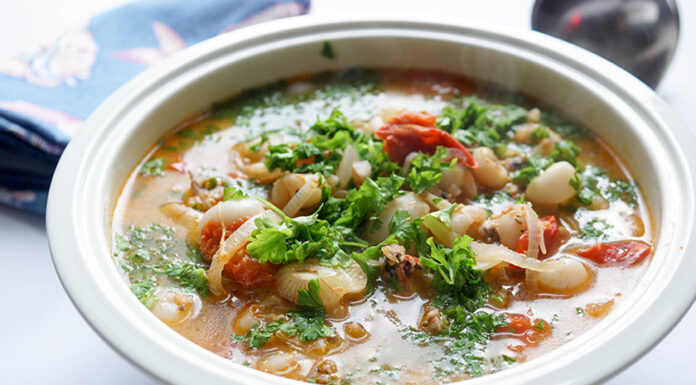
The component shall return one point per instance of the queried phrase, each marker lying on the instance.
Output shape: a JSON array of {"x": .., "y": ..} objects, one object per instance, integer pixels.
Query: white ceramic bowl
[{"x": 618, "y": 107}]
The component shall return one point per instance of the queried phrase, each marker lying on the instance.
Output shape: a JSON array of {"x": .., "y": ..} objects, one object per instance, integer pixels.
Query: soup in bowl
[{"x": 349, "y": 219}]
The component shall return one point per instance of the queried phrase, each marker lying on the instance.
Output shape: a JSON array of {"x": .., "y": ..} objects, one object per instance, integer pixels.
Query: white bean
[
  {"x": 463, "y": 220},
  {"x": 279, "y": 363},
  {"x": 465, "y": 217},
  {"x": 410, "y": 202},
  {"x": 458, "y": 181},
  {"x": 510, "y": 224},
  {"x": 572, "y": 276},
  {"x": 552, "y": 186},
  {"x": 490, "y": 172}
]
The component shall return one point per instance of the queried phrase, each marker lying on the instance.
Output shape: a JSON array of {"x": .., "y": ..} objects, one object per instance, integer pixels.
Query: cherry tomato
[{"x": 415, "y": 131}]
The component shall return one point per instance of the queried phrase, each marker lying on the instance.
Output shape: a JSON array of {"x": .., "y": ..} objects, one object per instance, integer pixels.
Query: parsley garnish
[
  {"x": 592, "y": 181},
  {"x": 153, "y": 167},
  {"x": 596, "y": 228},
  {"x": 145, "y": 291},
  {"x": 307, "y": 322},
  {"x": 479, "y": 123},
  {"x": 425, "y": 170},
  {"x": 565, "y": 150},
  {"x": 146, "y": 253},
  {"x": 300, "y": 238},
  {"x": 326, "y": 50},
  {"x": 538, "y": 133}
]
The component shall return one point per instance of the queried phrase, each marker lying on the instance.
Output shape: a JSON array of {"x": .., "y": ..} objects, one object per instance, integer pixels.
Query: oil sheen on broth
[{"x": 380, "y": 226}]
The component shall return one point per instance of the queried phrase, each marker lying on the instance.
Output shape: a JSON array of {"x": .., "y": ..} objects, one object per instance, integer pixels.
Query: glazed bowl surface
[{"x": 625, "y": 113}]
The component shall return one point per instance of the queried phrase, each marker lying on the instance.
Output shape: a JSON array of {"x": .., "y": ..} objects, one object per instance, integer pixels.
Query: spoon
[{"x": 638, "y": 35}]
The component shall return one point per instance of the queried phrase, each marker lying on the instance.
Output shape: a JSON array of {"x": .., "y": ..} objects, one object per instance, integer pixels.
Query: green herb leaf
[
  {"x": 145, "y": 291},
  {"x": 425, "y": 170},
  {"x": 596, "y": 228},
  {"x": 309, "y": 302},
  {"x": 153, "y": 167},
  {"x": 327, "y": 50}
]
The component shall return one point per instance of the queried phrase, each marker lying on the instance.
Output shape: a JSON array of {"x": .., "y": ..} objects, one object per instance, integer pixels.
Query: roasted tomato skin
[
  {"x": 415, "y": 131},
  {"x": 626, "y": 253}
]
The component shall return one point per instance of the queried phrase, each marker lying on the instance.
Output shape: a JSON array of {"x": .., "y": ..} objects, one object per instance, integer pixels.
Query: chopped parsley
[
  {"x": 297, "y": 239},
  {"x": 148, "y": 254},
  {"x": 592, "y": 181},
  {"x": 307, "y": 322},
  {"x": 538, "y": 134},
  {"x": 327, "y": 50},
  {"x": 596, "y": 228},
  {"x": 478, "y": 123},
  {"x": 461, "y": 291},
  {"x": 565, "y": 150},
  {"x": 425, "y": 170},
  {"x": 155, "y": 167},
  {"x": 537, "y": 164},
  {"x": 145, "y": 291}
]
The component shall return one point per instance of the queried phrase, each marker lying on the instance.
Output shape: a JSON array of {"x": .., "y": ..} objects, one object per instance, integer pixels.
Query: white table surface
[{"x": 43, "y": 339}]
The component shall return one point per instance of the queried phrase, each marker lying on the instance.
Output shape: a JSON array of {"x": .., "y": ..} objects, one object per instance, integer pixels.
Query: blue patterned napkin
[{"x": 46, "y": 95}]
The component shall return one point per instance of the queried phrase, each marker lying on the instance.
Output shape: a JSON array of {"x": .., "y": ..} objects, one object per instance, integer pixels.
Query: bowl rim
[{"x": 104, "y": 308}]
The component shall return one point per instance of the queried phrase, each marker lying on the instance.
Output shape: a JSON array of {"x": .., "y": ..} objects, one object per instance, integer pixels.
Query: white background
[{"x": 43, "y": 339}]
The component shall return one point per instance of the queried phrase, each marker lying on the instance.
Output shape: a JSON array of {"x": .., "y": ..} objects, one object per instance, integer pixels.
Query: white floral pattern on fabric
[{"x": 64, "y": 63}]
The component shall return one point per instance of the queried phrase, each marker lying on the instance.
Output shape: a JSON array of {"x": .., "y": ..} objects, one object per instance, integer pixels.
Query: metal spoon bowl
[{"x": 639, "y": 35}]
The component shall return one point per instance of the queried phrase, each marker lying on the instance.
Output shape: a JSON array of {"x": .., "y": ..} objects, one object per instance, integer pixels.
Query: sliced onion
[
  {"x": 345, "y": 168},
  {"x": 185, "y": 215},
  {"x": 334, "y": 282},
  {"x": 533, "y": 230},
  {"x": 228, "y": 249},
  {"x": 430, "y": 198},
  {"x": 408, "y": 159},
  {"x": 531, "y": 279},
  {"x": 230, "y": 211},
  {"x": 489, "y": 255},
  {"x": 297, "y": 201}
]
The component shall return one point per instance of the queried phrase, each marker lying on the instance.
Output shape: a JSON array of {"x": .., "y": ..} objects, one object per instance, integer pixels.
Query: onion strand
[{"x": 228, "y": 249}]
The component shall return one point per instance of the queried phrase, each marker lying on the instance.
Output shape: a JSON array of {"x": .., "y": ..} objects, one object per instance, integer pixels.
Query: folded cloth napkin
[{"x": 46, "y": 95}]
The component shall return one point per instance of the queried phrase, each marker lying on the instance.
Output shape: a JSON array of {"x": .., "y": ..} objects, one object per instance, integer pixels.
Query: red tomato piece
[
  {"x": 552, "y": 238},
  {"x": 245, "y": 271},
  {"x": 415, "y": 131},
  {"x": 522, "y": 328},
  {"x": 627, "y": 253},
  {"x": 211, "y": 234},
  {"x": 415, "y": 117},
  {"x": 249, "y": 273},
  {"x": 301, "y": 162}
]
